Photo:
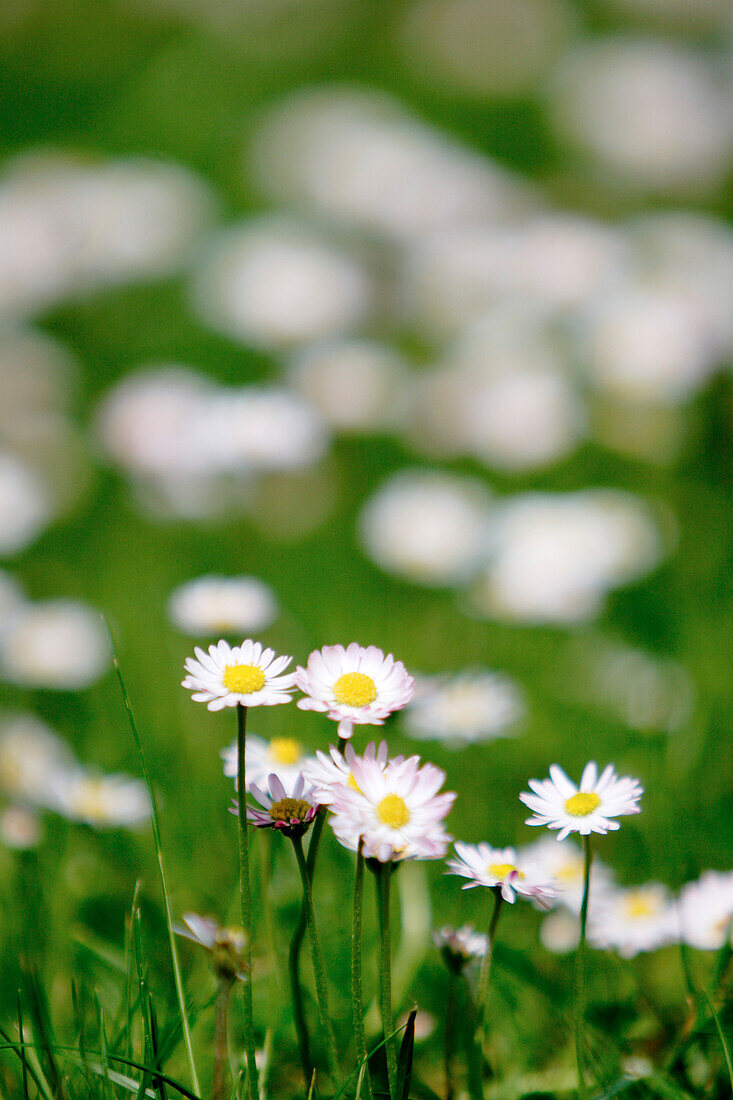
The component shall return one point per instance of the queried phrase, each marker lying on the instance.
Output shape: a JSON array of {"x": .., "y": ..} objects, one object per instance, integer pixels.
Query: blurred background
[{"x": 415, "y": 320}]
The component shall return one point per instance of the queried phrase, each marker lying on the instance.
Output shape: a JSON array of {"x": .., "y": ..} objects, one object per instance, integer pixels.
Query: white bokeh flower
[
  {"x": 102, "y": 801},
  {"x": 427, "y": 526},
  {"x": 588, "y": 808},
  {"x": 563, "y": 865},
  {"x": 58, "y": 644},
  {"x": 30, "y": 755},
  {"x": 245, "y": 675},
  {"x": 706, "y": 911},
  {"x": 353, "y": 685},
  {"x": 395, "y": 811},
  {"x": 283, "y": 756},
  {"x": 222, "y": 605},
  {"x": 465, "y": 707},
  {"x": 500, "y": 869},
  {"x": 25, "y": 504},
  {"x": 633, "y": 919},
  {"x": 20, "y": 828}
]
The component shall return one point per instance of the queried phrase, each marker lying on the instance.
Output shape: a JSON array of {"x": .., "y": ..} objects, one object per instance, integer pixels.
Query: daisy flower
[
  {"x": 497, "y": 868},
  {"x": 563, "y": 865},
  {"x": 291, "y": 814},
  {"x": 245, "y": 674},
  {"x": 282, "y": 756},
  {"x": 327, "y": 774},
  {"x": 459, "y": 945},
  {"x": 394, "y": 808},
  {"x": 706, "y": 911},
  {"x": 589, "y": 808},
  {"x": 355, "y": 686},
  {"x": 227, "y": 946},
  {"x": 642, "y": 918},
  {"x": 102, "y": 801}
]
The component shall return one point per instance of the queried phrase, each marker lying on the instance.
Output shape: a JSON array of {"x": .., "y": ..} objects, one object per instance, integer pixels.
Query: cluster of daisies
[{"x": 394, "y": 809}]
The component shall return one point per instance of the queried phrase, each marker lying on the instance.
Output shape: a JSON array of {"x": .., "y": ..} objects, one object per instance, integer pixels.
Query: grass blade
[
  {"x": 155, "y": 822},
  {"x": 404, "y": 1062},
  {"x": 721, "y": 1036}
]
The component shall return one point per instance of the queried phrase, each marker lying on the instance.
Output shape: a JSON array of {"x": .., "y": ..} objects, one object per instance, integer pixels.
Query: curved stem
[
  {"x": 245, "y": 898},
  {"x": 580, "y": 971},
  {"x": 357, "y": 999},
  {"x": 318, "y": 970},
  {"x": 221, "y": 1057},
  {"x": 384, "y": 875}
]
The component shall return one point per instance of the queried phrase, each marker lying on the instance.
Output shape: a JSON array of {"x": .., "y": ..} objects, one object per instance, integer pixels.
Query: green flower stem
[
  {"x": 384, "y": 876},
  {"x": 245, "y": 895},
  {"x": 450, "y": 1032},
  {"x": 296, "y": 990},
  {"x": 484, "y": 976},
  {"x": 580, "y": 972},
  {"x": 318, "y": 970},
  {"x": 221, "y": 1055},
  {"x": 357, "y": 999}
]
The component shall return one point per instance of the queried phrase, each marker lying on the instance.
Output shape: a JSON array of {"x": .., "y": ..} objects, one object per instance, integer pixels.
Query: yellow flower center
[
  {"x": 503, "y": 870},
  {"x": 355, "y": 689},
  {"x": 640, "y": 905},
  {"x": 289, "y": 809},
  {"x": 393, "y": 812},
  {"x": 582, "y": 803},
  {"x": 243, "y": 679},
  {"x": 570, "y": 871},
  {"x": 91, "y": 799},
  {"x": 353, "y": 785},
  {"x": 285, "y": 750}
]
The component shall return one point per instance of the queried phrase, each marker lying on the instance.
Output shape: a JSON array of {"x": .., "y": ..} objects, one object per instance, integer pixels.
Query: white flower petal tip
[
  {"x": 501, "y": 869},
  {"x": 354, "y": 685},
  {"x": 589, "y": 808},
  {"x": 246, "y": 675}
]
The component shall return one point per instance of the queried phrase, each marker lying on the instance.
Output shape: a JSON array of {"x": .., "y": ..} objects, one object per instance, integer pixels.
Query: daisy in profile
[
  {"x": 282, "y": 756},
  {"x": 226, "y": 946},
  {"x": 246, "y": 675},
  {"x": 459, "y": 946},
  {"x": 394, "y": 809},
  {"x": 497, "y": 869},
  {"x": 353, "y": 685},
  {"x": 589, "y": 808},
  {"x": 291, "y": 814},
  {"x": 328, "y": 774}
]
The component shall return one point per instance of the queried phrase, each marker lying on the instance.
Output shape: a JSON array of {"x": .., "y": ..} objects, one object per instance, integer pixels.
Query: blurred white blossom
[
  {"x": 465, "y": 707},
  {"x": 58, "y": 644},
  {"x": 217, "y": 605}
]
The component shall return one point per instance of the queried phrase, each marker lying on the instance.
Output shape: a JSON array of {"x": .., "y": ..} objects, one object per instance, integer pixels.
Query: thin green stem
[
  {"x": 485, "y": 974},
  {"x": 580, "y": 972},
  {"x": 245, "y": 897},
  {"x": 450, "y": 1032},
  {"x": 384, "y": 876},
  {"x": 221, "y": 1054},
  {"x": 318, "y": 969},
  {"x": 357, "y": 998},
  {"x": 296, "y": 944}
]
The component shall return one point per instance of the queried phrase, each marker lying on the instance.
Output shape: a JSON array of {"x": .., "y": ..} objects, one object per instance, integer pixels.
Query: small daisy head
[
  {"x": 394, "y": 809},
  {"x": 354, "y": 685},
  {"x": 706, "y": 911},
  {"x": 245, "y": 674},
  {"x": 226, "y": 946},
  {"x": 589, "y": 808},
  {"x": 498, "y": 869},
  {"x": 282, "y": 756},
  {"x": 326, "y": 775},
  {"x": 459, "y": 946},
  {"x": 291, "y": 814}
]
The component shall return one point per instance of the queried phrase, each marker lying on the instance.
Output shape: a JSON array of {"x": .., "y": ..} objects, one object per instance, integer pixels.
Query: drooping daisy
[
  {"x": 459, "y": 945},
  {"x": 355, "y": 686},
  {"x": 642, "y": 918},
  {"x": 706, "y": 911},
  {"x": 395, "y": 809},
  {"x": 291, "y": 814},
  {"x": 589, "y": 808},
  {"x": 245, "y": 674},
  {"x": 282, "y": 756},
  {"x": 497, "y": 868},
  {"x": 226, "y": 946},
  {"x": 327, "y": 774}
]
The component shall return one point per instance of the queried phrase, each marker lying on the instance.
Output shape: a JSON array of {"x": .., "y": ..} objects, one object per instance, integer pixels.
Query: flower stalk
[
  {"x": 318, "y": 969},
  {"x": 245, "y": 897},
  {"x": 357, "y": 998},
  {"x": 221, "y": 1052},
  {"x": 296, "y": 989},
  {"x": 580, "y": 962},
  {"x": 383, "y": 878}
]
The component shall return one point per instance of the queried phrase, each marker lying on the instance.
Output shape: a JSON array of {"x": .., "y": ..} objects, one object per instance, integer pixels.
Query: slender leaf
[{"x": 404, "y": 1062}]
